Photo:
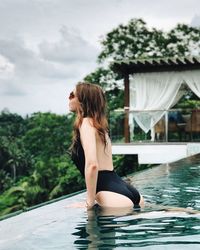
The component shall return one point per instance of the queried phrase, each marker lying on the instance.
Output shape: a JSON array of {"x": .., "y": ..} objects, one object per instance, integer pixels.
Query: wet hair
[{"x": 92, "y": 104}]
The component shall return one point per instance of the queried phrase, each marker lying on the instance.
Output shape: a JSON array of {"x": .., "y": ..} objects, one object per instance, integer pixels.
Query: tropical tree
[
  {"x": 11, "y": 124},
  {"x": 107, "y": 79},
  {"x": 48, "y": 134},
  {"x": 136, "y": 40},
  {"x": 33, "y": 160},
  {"x": 14, "y": 158}
]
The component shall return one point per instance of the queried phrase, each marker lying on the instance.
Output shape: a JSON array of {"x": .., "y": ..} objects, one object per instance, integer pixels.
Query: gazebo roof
[{"x": 126, "y": 67}]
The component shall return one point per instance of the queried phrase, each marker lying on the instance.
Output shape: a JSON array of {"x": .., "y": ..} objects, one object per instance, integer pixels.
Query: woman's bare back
[{"x": 104, "y": 154}]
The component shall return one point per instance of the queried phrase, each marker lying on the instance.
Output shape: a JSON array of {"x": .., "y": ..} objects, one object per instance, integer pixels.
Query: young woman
[{"x": 91, "y": 151}]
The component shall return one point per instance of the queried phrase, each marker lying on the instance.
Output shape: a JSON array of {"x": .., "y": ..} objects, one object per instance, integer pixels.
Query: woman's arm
[{"x": 88, "y": 140}]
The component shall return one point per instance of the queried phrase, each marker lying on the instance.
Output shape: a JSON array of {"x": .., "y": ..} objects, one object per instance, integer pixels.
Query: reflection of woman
[
  {"x": 98, "y": 231},
  {"x": 91, "y": 151}
]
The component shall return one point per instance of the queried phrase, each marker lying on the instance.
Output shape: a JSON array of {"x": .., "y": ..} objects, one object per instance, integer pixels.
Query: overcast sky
[{"x": 47, "y": 46}]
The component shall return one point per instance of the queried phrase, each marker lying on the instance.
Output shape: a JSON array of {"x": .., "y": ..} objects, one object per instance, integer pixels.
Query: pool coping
[{"x": 7, "y": 216}]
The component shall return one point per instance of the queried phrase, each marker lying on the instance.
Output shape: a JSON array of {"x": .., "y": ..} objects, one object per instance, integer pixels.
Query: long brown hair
[{"x": 93, "y": 105}]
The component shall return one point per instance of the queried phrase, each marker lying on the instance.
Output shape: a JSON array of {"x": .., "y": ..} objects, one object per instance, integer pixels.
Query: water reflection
[
  {"x": 172, "y": 185},
  {"x": 109, "y": 229},
  {"x": 175, "y": 184},
  {"x": 100, "y": 228}
]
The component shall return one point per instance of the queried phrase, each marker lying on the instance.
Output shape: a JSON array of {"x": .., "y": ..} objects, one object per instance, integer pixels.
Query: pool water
[
  {"x": 174, "y": 184},
  {"x": 163, "y": 224},
  {"x": 154, "y": 230}
]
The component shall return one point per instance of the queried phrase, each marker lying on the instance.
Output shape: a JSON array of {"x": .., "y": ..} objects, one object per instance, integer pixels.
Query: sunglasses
[{"x": 71, "y": 95}]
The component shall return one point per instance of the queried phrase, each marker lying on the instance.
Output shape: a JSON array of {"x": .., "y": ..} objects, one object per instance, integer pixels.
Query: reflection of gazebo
[{"x": 152, "y": 86}]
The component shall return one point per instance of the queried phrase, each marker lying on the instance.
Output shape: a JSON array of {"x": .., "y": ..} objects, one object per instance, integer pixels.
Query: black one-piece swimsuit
[{"x": 107, "y": 180}]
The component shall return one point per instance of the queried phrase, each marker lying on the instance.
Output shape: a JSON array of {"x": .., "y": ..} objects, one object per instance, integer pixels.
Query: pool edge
[{"x": 7, "y": 216}]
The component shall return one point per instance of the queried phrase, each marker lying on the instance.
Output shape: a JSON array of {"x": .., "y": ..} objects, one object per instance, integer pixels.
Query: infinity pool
[{"x": 166, "y": 187}]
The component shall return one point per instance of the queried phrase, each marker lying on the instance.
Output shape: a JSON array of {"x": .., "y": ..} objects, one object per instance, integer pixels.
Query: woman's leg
[
  {"x": 142, "y": 203},
  {"x": 112, "y": 199}
]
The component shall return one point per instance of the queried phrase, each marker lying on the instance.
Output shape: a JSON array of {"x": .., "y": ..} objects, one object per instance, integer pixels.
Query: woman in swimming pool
[{"x": 91, "y": 151}]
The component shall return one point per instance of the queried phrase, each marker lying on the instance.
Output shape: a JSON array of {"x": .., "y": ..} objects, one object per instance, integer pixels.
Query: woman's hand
[
  {"x": 89, "y": 205},
  {"x": 81, "y": 204},
  {"x": 76, "y": 205}
]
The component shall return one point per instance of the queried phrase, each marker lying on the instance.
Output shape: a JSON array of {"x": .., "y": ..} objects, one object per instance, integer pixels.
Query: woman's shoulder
[
  {"x": 87, "y": 119},
  {"x": 87, "y": 123}
]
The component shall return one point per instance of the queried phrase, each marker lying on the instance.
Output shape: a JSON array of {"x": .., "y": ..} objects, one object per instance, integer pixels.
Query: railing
[{"x": 175, "y": 125}]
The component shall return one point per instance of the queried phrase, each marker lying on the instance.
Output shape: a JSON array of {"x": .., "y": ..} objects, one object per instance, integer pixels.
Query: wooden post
[{"x": 126, "y": 107}]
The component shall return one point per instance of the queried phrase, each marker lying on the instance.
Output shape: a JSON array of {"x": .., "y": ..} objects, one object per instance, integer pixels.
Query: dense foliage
[
  {"x": 136, "y": 40},
  {"x": 35, "y": 165}
]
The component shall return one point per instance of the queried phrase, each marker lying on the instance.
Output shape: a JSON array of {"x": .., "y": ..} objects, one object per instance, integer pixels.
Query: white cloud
[
  {"x": 71, "y": 48},
  {"x": 62, "y": 60},
  {"x": 41, "y": 80},
  {"x": 28, "y": 64},
  {"x": 196, "y": 21},
  {"x": 6, "y": 68},
  {"x": 46, "y": 46},
  {"x": 12, "y": 90}
]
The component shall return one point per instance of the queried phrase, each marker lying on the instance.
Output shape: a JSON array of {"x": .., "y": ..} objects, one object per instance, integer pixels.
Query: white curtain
[
  {"x": 150, "y": 95},
  {"x": 153, "y": 93},
  {"x": 180, "y": 93},
  {"x": 192, "y": 78}
]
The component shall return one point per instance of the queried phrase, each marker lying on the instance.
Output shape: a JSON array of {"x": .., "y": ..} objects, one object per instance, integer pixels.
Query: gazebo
[{"x": 152, "y": 86}]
